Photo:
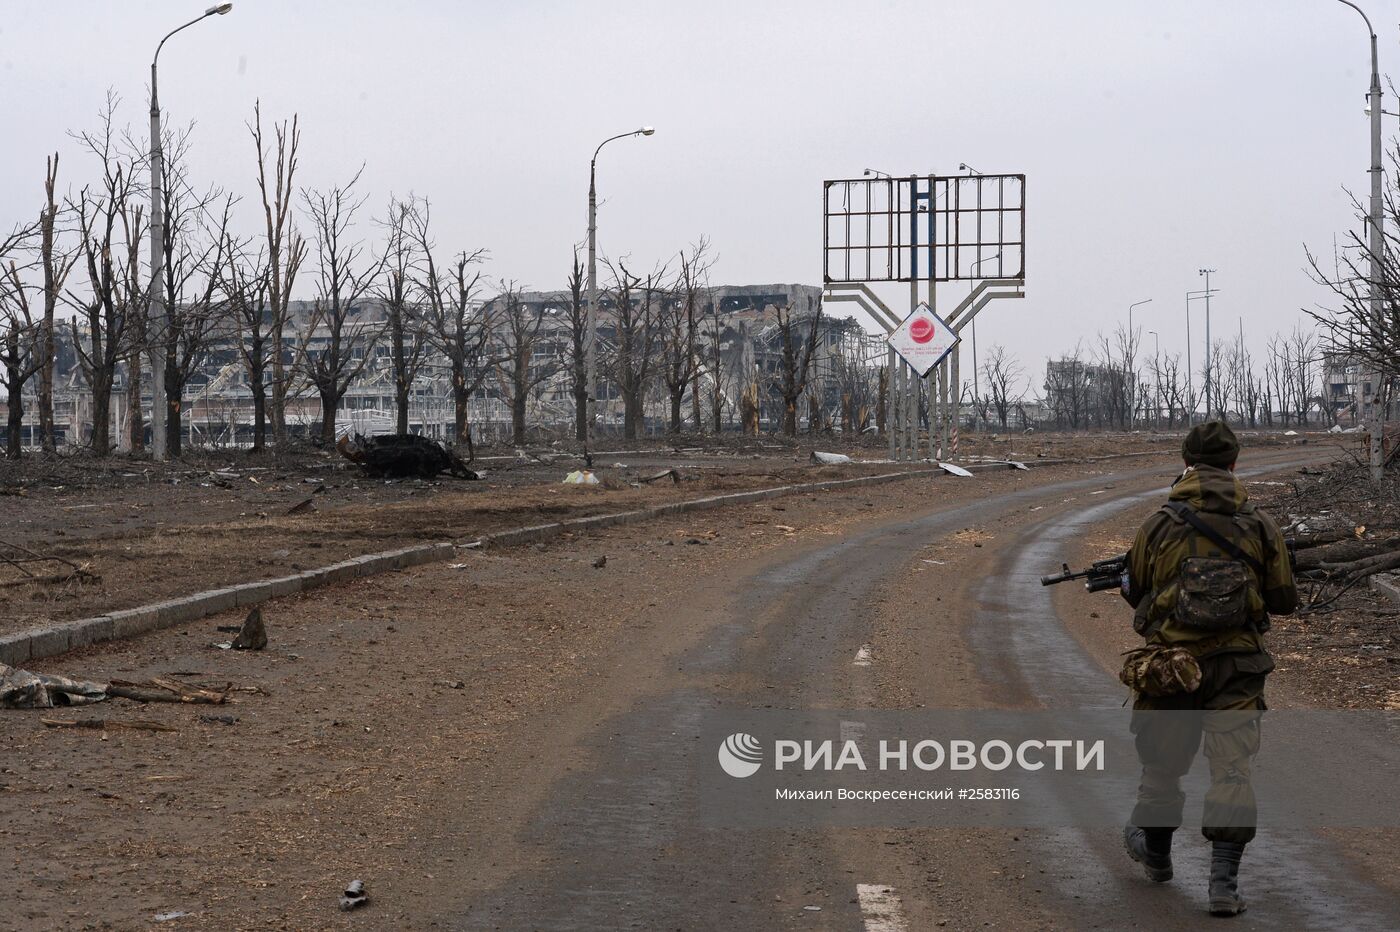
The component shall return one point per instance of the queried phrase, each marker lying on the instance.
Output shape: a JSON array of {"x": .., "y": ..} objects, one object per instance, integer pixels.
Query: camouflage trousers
[{"x": 1223, "y": 715}]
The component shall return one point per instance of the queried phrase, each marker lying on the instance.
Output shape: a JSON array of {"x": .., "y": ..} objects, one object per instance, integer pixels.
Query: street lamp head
[
  {"x": 221, "y": 9},
  {"x": 647, "y": 130}
]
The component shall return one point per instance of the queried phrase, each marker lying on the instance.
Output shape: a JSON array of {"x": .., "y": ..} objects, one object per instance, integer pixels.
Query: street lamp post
[
  {"x": 1132, "y": 402},
  {"x": 590, "y": 352},
  {"x": 1207, "y": 273},
  {"x": 1130, "y": 314},
  {"x": 1190, "y": 374},
  {"x": 1374, "y": 424},
  {"x": 156, "y": 300}
]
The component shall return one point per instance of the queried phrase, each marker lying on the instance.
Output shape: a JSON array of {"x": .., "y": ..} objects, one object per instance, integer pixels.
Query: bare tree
[
  {"x": 56, "y": 264},
  {"x": 853, "y": 377},
  {"x": 456, "y": 322},
  {"x": 1303, "y": 355},
  {"x": 339, "y": 337},
  {"x": 797, "y": 341},
  {"x": 577, "y": 312},
  {"x": 634, "y": 316},
  {"x": 1276, "y": 374},
  {"x": 1004, "y": 375},
  {"x": 680, "y": 315},
  {"x": 518, "y": 333},
  {"x": 1352, "y": 327},
  {"x": 195, "y": 244},
  {"x": 1114, "y": 382},
  {"x": 110, "y": 224},
  {"x": 19, "y": 331},
  {"x": 1170, "y": 387},
  {"x": 407, "y": 336},
  {"x": 245, "y": 286},
  {"x": 284, "y": 252}
]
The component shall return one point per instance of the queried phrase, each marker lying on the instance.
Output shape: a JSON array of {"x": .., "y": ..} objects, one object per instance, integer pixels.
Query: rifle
[
  {"x": 1105, "y": 574},
  {"x": 1108, "y": 574}
]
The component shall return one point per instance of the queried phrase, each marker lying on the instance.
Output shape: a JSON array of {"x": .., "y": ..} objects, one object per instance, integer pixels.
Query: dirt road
[{"x": 509, "y": 743}]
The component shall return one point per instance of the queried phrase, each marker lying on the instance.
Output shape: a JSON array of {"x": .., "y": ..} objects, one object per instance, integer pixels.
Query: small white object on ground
[
  {"x": 830, "y": 459},
  {"x": 953, "y": 470},
  {"x": 354, "y": 895},
  {"x": 580, "y": 477}
]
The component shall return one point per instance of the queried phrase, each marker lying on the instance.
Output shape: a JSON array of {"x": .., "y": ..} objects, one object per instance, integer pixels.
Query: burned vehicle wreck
[{"x": 406, "y": 456}]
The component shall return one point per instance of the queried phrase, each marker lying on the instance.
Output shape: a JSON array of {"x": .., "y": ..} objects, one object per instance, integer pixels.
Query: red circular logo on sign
[{"x": 921, "y": 330}]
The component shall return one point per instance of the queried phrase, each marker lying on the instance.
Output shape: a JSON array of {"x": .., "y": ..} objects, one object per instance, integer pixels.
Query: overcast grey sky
[{"x": 1156, "y": 137}]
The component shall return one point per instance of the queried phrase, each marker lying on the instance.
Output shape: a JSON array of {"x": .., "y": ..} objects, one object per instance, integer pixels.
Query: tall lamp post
[
  {"x": 590, "y": 352},
  {"x": 1374, "y": 424},
  {"x": 1207, "y": 293},
  {"x": 156, "y": 299},
  {"x": 1190, "y": 373}
]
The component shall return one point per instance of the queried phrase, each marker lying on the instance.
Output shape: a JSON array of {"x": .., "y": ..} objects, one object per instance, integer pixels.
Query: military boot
[
  {"x": 1225, "y": 899},
  {"x": 1152, "y": 848}
]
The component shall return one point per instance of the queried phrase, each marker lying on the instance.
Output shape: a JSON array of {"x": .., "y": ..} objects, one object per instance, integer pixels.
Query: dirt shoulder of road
[
  {"x": 398, "y": 716},
  {"x": 205, "y": 544},
  {"x": 144, "y": 532},
  {"x": 1345, "y": 658}
]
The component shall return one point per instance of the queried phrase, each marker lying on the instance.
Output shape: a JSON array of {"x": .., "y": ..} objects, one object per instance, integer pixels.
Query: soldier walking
[{"x": 1204, "y": 574}]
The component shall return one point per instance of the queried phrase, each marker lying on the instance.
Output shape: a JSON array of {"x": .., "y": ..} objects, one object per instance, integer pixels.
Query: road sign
[{"x": 923, "y": 339}]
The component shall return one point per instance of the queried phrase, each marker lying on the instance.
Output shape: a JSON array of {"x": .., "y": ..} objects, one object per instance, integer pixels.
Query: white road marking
[
  {"x": 881, "y": 908},
  {"x": 852, "y": 731},
  {"x": 863, "y": 656}
]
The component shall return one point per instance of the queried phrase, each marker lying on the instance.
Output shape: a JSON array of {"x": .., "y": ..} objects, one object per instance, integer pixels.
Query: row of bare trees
[
  {"x": 80, "y": 269},
  {"x": 385, "y": 302},
  {"x": 1111, "y": 385}
]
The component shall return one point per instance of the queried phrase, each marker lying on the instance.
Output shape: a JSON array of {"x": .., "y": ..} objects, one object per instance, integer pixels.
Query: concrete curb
[
  {"x": 1388, "y": 585},
  {"x": 540, "y": 532},
  {"x": 52, "y": 640}
]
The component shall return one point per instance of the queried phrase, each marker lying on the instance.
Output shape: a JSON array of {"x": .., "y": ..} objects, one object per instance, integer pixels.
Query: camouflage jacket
[{"x": 1165, "y": 540}]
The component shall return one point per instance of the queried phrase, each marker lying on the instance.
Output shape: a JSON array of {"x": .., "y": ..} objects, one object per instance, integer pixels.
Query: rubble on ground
[{"x": 405, "y": 456}]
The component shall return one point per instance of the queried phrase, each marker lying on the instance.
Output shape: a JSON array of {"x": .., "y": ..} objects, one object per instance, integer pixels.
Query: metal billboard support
[{"x": 933, "y": 228}]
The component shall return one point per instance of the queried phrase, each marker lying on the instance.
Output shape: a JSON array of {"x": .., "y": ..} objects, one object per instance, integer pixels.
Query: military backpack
[{"x": 1212, "y": 593}]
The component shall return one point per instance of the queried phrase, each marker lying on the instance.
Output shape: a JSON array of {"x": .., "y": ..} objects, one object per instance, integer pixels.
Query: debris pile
[
  {"x": 21, "y": 689},
  {"x": 405, "y": 456}
]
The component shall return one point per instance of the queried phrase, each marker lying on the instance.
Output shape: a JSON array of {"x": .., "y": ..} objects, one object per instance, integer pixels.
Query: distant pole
[
  {"x": 1374, "y": 416},
  {"x": 156, "y": 299},
  {"x": 1190, "y": 375},
  {"x": 1210, "y": 407},
  {"x": 590, "y": 352},
  {"x": 1132, "y": 402}
]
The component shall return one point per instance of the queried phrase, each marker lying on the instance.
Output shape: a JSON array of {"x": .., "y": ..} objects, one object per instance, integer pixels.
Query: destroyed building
[{"x": 218, "y": 402}]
